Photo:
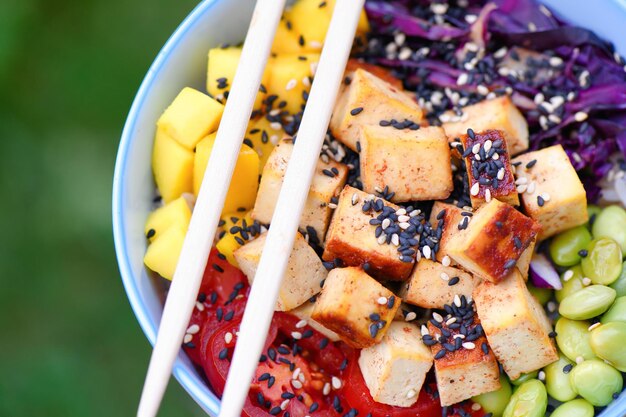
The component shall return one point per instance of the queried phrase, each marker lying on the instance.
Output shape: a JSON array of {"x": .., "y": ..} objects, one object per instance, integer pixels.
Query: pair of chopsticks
[{"x": 281, "y": 236}]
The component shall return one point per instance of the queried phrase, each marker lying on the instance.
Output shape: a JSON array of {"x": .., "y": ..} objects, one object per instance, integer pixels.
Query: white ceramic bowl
[{"x": 182, "y": 62}]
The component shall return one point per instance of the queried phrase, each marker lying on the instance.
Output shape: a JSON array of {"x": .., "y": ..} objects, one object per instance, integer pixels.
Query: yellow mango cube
[
  {"x": 286, "y": 39},
  {"x": 162, "y": 254},
  {"x": 191, "y": 116},
  {"x": 263, "y": 136},
  {"x": 221, "y": 71},
  {"x": 176, "y": 213},
  {"x": 290, "y": 76},
  {"x": 172, "y": 165},
  {"x": 227, "y": 244},
  {"x": 245, "y": 180}
]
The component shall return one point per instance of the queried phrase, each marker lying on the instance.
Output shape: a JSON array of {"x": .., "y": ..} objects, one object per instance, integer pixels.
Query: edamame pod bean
[
  {"x": 603, "y": 263},
  {"x": 557, "y": 380},
  {"x": 611, "y": 222},
  {"x": 565, "y": 246},
  {"x": 589, "y": 302},
  {"x": 574, "y": 408},
  {"x": 596, "y": 381},
  {"x": 524, "y": 377},
  {"x": 573, "y": 284},
  {"x": 617, "y": 312},
  {"x": 543, "y": 295},
  {"x": 572, "y": 337},
  {"x": 620, "y": 284},
  {"x": 495, "y": 402},
  {"x": 529, "y": 400},
  {"x": 607, "y": 341}
]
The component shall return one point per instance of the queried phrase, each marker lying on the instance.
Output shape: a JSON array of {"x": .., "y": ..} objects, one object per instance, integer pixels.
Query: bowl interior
[{"x": 182, "y": 62}]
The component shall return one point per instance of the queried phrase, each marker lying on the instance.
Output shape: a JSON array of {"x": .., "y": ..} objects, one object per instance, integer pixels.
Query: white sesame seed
[
  {"x": 439, "y": 8},
  {"x": 188, "y": 338},
  {"x": 382, "y": 301},
  {"x": 521, "y": 188},
  {"x": 554, "y": 118},
  {"x": 336, "y": 382},
  {"x": 457, "y": 300},
  {"x": 381, "y": 239},
  {"x": 411, "y": 315},
  {"x": 395, "y": 239},
  {"x": 580, "y": 116},
  {"x": 521, "y": 180},
  {"x": 586, "y": 281},
  {"x": 545, "y": 196},
  {"x": 571, "y": 96},
  {"x": 468, "y": 345},
  {"x": 424, "y": 330},
  {"x": 555, "y": 61},
  {"x": 438, "y": 317},
  {"x": 532, "y": 27},
  {"x": 228, "y": 337},
  {"x": 276, "y": 125},
  {"x": 199, "y": 306},
  {"x": 391, "y": 48},
  {"x": 569, "y": 274},
  {"x": 557, "y": 101},
  {"x": 594, "y": 325},
  {"x": 445, "y": 261},
  {"x": 400, "y": 38},
  {"x": 355, "y": 198},
  {"x": 332, "y": 206},
  {"x": 403, "y": 218},
  {"x": 401, "y": 211},
  {"x": 404, "y": 225},
  {"x": 487, "y": 195},
  {"x": 301, "y": 378},
  {"x": 405, "y": 53},
  {"x": 450, "y": 321},
  {"x": 583, "y": 78},
  {"x": 284, "y": 404},
  {"x": 326, "y": 389},
  {"x": 296, "y": 335},
  {"x": 386, "y": 223},
  {"x": 296, "y": 384},
  {"x": 476, "y": 148},
  {"x": 306, "y": 81},
  {"x": 470, "y": 18},
  {"x": 314, "y": 67},
  {"x": 545, "y": 10},
  {"x": 462, "y": 80},
  {"x": 482, "y": 90},
  {"x": 531, "y": 187},
  {"x": 315, "y": 44},
  {"x": 577, "y": 157},
  {"x": 500, "y": 53},
  {"x": 291, "y": 84},
  {"x": 543, "y": 122},
  {"x": 411, "y": 394},
  {"x": 193, "y": 329},
  {"x": 274, "y": 139},
  {"x": 426, "y": 252},
  {"x": 475, "y": 189},
  {"x": 504, "y": 71},
  {"x": 551, "y": 306},
  {"x": 539, "y": 98},
  {"x": 488, "y": 144},
  {"x": 475, "y": 406},
  {"x": 501, "y": 173},
  {"x": 301, "y": 324},
  {"x": 444, "y": 118},
  {"x": 444, "y": 276},
  {"x": 458, "y": 336},
  {"x": 495, "y": 156},
  {"x": 547, "y": 106},
  {"x": 579, "y": 360},
  {"x": 541, "y": 376}
]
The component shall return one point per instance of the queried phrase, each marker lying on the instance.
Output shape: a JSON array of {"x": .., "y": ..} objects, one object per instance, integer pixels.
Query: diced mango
[
  {"x": 162, "y": 254},
  {"x": 221, "y": 71},
  {"x": 245, "y": 180},
  {"x": 174, "y": 214},
  {"x": 290, "y": 76},
  {"x": 191, "y": 116},
  {"x": 286, "y": 39},
  {"x": 227, "y": 244},
  {"x": 264, "y": 136},
  {"x": 172, "y": 165}
]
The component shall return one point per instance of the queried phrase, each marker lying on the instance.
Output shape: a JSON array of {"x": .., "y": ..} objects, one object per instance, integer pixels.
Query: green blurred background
[{"x": 70, "y": 344}]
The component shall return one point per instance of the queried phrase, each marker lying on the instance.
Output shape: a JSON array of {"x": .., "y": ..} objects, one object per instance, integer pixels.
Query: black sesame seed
[
  {"x": 219, "y": 313},
  {"x": 260, "y": 398},
  {"x": 323, "y": 343},
  {"x": 313, "y": 407},
  {"x": 223, "y": 354},
  {"x": 343, "y": 365},
  {"x": 218, "y": 268},
  {"x": 229, "y": 316},
  {"x": 283, "y": 350},
  {"x": 531, "y": 164},
  {"x": 275, "y": 411},
  {"x": 287, "y": 395},
  {"x": 552, "y": 335},
  {"x": 471, "y": 134},
  {"x": 374, "y": 317},
  {"x": 391, "y": 301},
  {"x": 509, "y": 264},
  {"x": 151, "y": 233},
  {"x": 485, "y": 348},
  {"x": 190, "y": 345},
  {"x": 440, "y": 354},
  {"x": 517, "y": 242},
  {"x": 583, "y": 253},
  {"x": 373, "y": 330},
  {"x": 453, "y": 281},
  {"x": 567, "y": 368},
  {"x": 356, "y": 111}
]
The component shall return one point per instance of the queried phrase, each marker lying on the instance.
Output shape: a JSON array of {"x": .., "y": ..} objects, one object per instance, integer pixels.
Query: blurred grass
[{"x": 69, "y": 70}]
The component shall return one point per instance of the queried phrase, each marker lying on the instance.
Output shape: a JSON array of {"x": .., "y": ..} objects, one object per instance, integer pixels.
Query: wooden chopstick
[
  {"x": 293, "y": 194},
  {"x": 210, "y": 201}
]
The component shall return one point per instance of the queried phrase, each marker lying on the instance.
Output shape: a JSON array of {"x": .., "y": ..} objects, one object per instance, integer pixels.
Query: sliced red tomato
[{"x": 221, "y": 278}]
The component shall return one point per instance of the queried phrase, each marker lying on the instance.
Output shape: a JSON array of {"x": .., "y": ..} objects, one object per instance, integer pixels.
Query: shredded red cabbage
[{"x": 577, "y": 74}]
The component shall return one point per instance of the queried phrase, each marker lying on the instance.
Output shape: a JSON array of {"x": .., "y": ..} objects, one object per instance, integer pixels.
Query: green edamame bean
[
  {"x": 495, "y": 402},
  {"x": 557, "y": 381},
  {"x": 572, "y": 337},
  {"x": 607, "y": 341},
  {"x": 574, "y": 408},
  {"x": 596, "y": 381},
  {"x": 529, "y": 400},
  {"x": 572, "y": 285},
  {"x": 620, "y": 284},
  {"x": 589, "y": 302},
  {"x": 565, "y": 246},
  {"x": 543, "y": 295},
  {"x": 611, "y": 222},
  {"x": 617, "y": 312},
  {"x": 603, "y": 263},
  {"x": 525, "y": 377}
]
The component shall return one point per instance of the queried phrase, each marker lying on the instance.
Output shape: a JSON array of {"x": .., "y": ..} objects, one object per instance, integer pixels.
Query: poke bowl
[{"x": 451, "y": 84}]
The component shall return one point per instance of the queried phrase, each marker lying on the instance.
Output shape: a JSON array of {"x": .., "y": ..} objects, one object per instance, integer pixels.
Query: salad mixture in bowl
[{"x": 461, "y": 251}]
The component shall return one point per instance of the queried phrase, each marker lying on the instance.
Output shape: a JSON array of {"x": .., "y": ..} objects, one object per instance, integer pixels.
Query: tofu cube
[
  {"x": 191, "y": 116},
  {"x": 489, "y": 169},
  {"x": 523, "y": 263},
  {"x": 450, "y": 217},
  {"x": 304, "y": 313},
  {"x": 465, "y": 367},
  {"x": 395, "y": 369},
  {"x": 493, "y": 242},
  {"x": 352, "y": 238},
  {"x": 516, "y": 325},
  {"x": 366, "y": 101},
  {"x": 414, "y": 164},
  {"x": 303, "y": 277},
  {"x": 429, "y": 285},
  {"x": 499, "y": 113},
  {"x": 328, "y": 180},
  {"x": 355, "y": 306},
  {"x": 552, "y": 192}
]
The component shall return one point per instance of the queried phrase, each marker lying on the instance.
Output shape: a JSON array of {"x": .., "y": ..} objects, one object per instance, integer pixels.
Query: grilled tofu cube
[
  {"x": 523, "y": 263},
  {"x": 414, "y": 164},
  {"x": 451, "y": 217},
  {"x": 304, "y": 313},
  {"x": 303, "y": 277},
  {"x": 395, "y": 369},
  {"x": 352, "y": 238},
  {"x": 551, "y": 191},
  {"x": 489, "y": 169},
  {"x": 431, "y": 285},
  {"x": 366, "y": 101},
  {"x": 464, "y": 364},
  {"x": 327, "y": 182},
  {"x": 499, "y": 113},
  {"x": 355, "y": 306},
  {"x": 515, "y": 324},
  {"x": 493, "y": 242}
]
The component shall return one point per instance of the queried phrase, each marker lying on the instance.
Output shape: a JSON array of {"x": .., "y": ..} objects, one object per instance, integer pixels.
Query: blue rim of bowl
[
  {"x": 209, "y": 402},
  {"x": 188, "y": 380}
]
